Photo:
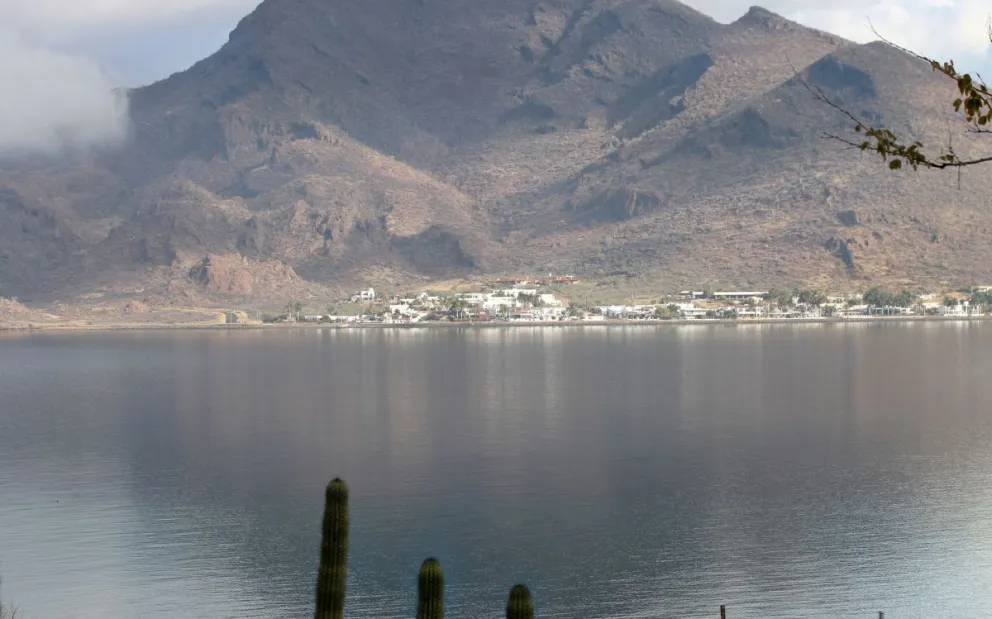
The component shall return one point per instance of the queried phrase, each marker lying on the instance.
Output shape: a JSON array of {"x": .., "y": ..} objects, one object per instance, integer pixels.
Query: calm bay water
[{"x": 783, "y": 470}]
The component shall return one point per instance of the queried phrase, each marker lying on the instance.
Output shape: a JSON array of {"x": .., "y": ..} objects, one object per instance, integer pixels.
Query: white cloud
[
  {"x": 52, "y": 101},
  {"x": 940, "y": 29},
  {"x": 52, "y": 98},
  {"x": 73, "y": 14}
]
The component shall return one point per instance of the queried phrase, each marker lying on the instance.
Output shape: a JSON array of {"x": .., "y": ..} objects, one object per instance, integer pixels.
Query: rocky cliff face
[{"x": 330, "y": 143}]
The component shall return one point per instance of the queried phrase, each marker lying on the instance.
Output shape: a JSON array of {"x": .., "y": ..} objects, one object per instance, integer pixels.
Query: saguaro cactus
[
  {"x": 333, "y": 552},
  {"x": 521, "y": 604},
  {"x": 430, "y": 590}
]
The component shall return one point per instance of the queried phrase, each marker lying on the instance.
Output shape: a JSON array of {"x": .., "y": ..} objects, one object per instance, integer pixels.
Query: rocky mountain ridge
[{"x": 396, "y": 142}]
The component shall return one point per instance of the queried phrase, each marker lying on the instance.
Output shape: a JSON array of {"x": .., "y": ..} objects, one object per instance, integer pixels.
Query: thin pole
[{"x": 723, "y": 612}]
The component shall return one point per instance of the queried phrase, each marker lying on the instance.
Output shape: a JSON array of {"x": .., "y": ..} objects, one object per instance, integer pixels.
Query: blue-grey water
[{"x": 785, "y": 471}]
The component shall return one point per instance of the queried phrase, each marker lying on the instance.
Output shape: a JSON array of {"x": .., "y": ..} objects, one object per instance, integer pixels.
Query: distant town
[{"x": 545, "y": 300}]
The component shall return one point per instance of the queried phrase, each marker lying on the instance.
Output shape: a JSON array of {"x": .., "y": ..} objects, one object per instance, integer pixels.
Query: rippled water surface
[{"x": 786, "y": 471}]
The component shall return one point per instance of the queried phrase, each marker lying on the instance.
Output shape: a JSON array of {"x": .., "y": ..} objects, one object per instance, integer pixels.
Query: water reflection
[{"x": 786, "y": 470}]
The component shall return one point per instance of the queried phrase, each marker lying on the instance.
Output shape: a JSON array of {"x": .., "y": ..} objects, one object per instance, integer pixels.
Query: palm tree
[
  {"x": 457, "y": 306},
  {"x": 294, "y": 308}
]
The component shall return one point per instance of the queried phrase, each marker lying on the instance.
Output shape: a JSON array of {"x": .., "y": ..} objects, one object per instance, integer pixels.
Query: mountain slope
[
  {"x": 768, "y": 199},
  {"x": 330, "y": 144}
]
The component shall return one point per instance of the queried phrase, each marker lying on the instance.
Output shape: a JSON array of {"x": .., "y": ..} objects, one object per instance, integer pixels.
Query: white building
[
  {"x": 853, "y": 310},
  {"x": 516, "y": 292},
  {"x": 363, "y": 295},
  {"x": 962, "y": 309},
  {"x": 343, "y": 319},
  {"x": 475, "y": 298},
  {"x": 689, "y": 310},
  {"x": 953, "y": 310},
  {"x": 495, "y": 305},
  {"x": 548, "y": 313},
  {"x": 750, "y": 312},
  {"x": 402, "y": 309},
  {"x": 739, "y": 295},
  {"x": 613, "y": 311}
]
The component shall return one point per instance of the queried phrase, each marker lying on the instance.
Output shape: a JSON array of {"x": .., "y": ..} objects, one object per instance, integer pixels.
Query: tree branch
[{"x": 974, "y": 102}]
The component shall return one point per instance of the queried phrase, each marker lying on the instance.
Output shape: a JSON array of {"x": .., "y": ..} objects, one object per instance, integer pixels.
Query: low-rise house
[
  {"x": 338, "y": 319},
  {"x": 521, "y": 315},
  {"x": 954, "y": 310},
  {"x": 641, "y": 312},
  {"x": 808, "y": 311},
  {"x": 750, "y": 312},
  {"x": 617, "y": 311},
  {"x": 402, "y": 311},
  {"x": 853, "y": 310},
  {"x": 690, "y": 310},
  {"x": 498, "y": 305},
  {"x": 557, "y": 279},
  {"x": 962, "y": 309},
  {"x": 363, "y": 295},
  {"x": 890, "y": 310},
  {"x": 548, "y": 314},
  {"x": 740, "y": 295},
  {"x": 516, "y": 292},
  {"x": 475, "y": 298},
  {"x": 777, "y": 313}
]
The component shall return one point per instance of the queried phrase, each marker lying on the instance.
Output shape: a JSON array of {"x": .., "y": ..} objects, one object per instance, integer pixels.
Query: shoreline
[{"x": 36, "y": 328}]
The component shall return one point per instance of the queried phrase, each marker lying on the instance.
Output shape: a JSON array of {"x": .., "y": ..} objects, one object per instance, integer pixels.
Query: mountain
[{"x": 330, "y": 144}]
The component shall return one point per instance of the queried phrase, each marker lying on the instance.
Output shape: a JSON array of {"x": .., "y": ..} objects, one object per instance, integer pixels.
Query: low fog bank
[{"x": 52, "y": 102}]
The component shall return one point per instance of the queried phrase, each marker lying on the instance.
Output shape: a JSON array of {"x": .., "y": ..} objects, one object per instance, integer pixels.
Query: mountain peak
[{"x": 757, "y": 16}]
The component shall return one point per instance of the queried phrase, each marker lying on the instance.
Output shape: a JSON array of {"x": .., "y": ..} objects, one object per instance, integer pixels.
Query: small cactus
[
  {"x": 521, "y": 604},
  {"x": 333, "y": 570},
  {"x": 430, "y": 590}
]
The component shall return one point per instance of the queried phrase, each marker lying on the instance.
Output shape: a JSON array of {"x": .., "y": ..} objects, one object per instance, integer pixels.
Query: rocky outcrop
[
  {"x": 135, "y": 307},
  {"x": 841, "y": 249},
  {"x": 223, "y": 275}
]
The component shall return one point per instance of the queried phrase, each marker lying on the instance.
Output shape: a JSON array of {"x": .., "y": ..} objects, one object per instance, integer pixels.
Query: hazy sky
[{"x": 59, "y": 58}]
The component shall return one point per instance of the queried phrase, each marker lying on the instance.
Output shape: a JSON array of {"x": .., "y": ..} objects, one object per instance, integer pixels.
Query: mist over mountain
[
  {"x": 53, "y": 102},
  {"x": 329, "y": 144}
]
